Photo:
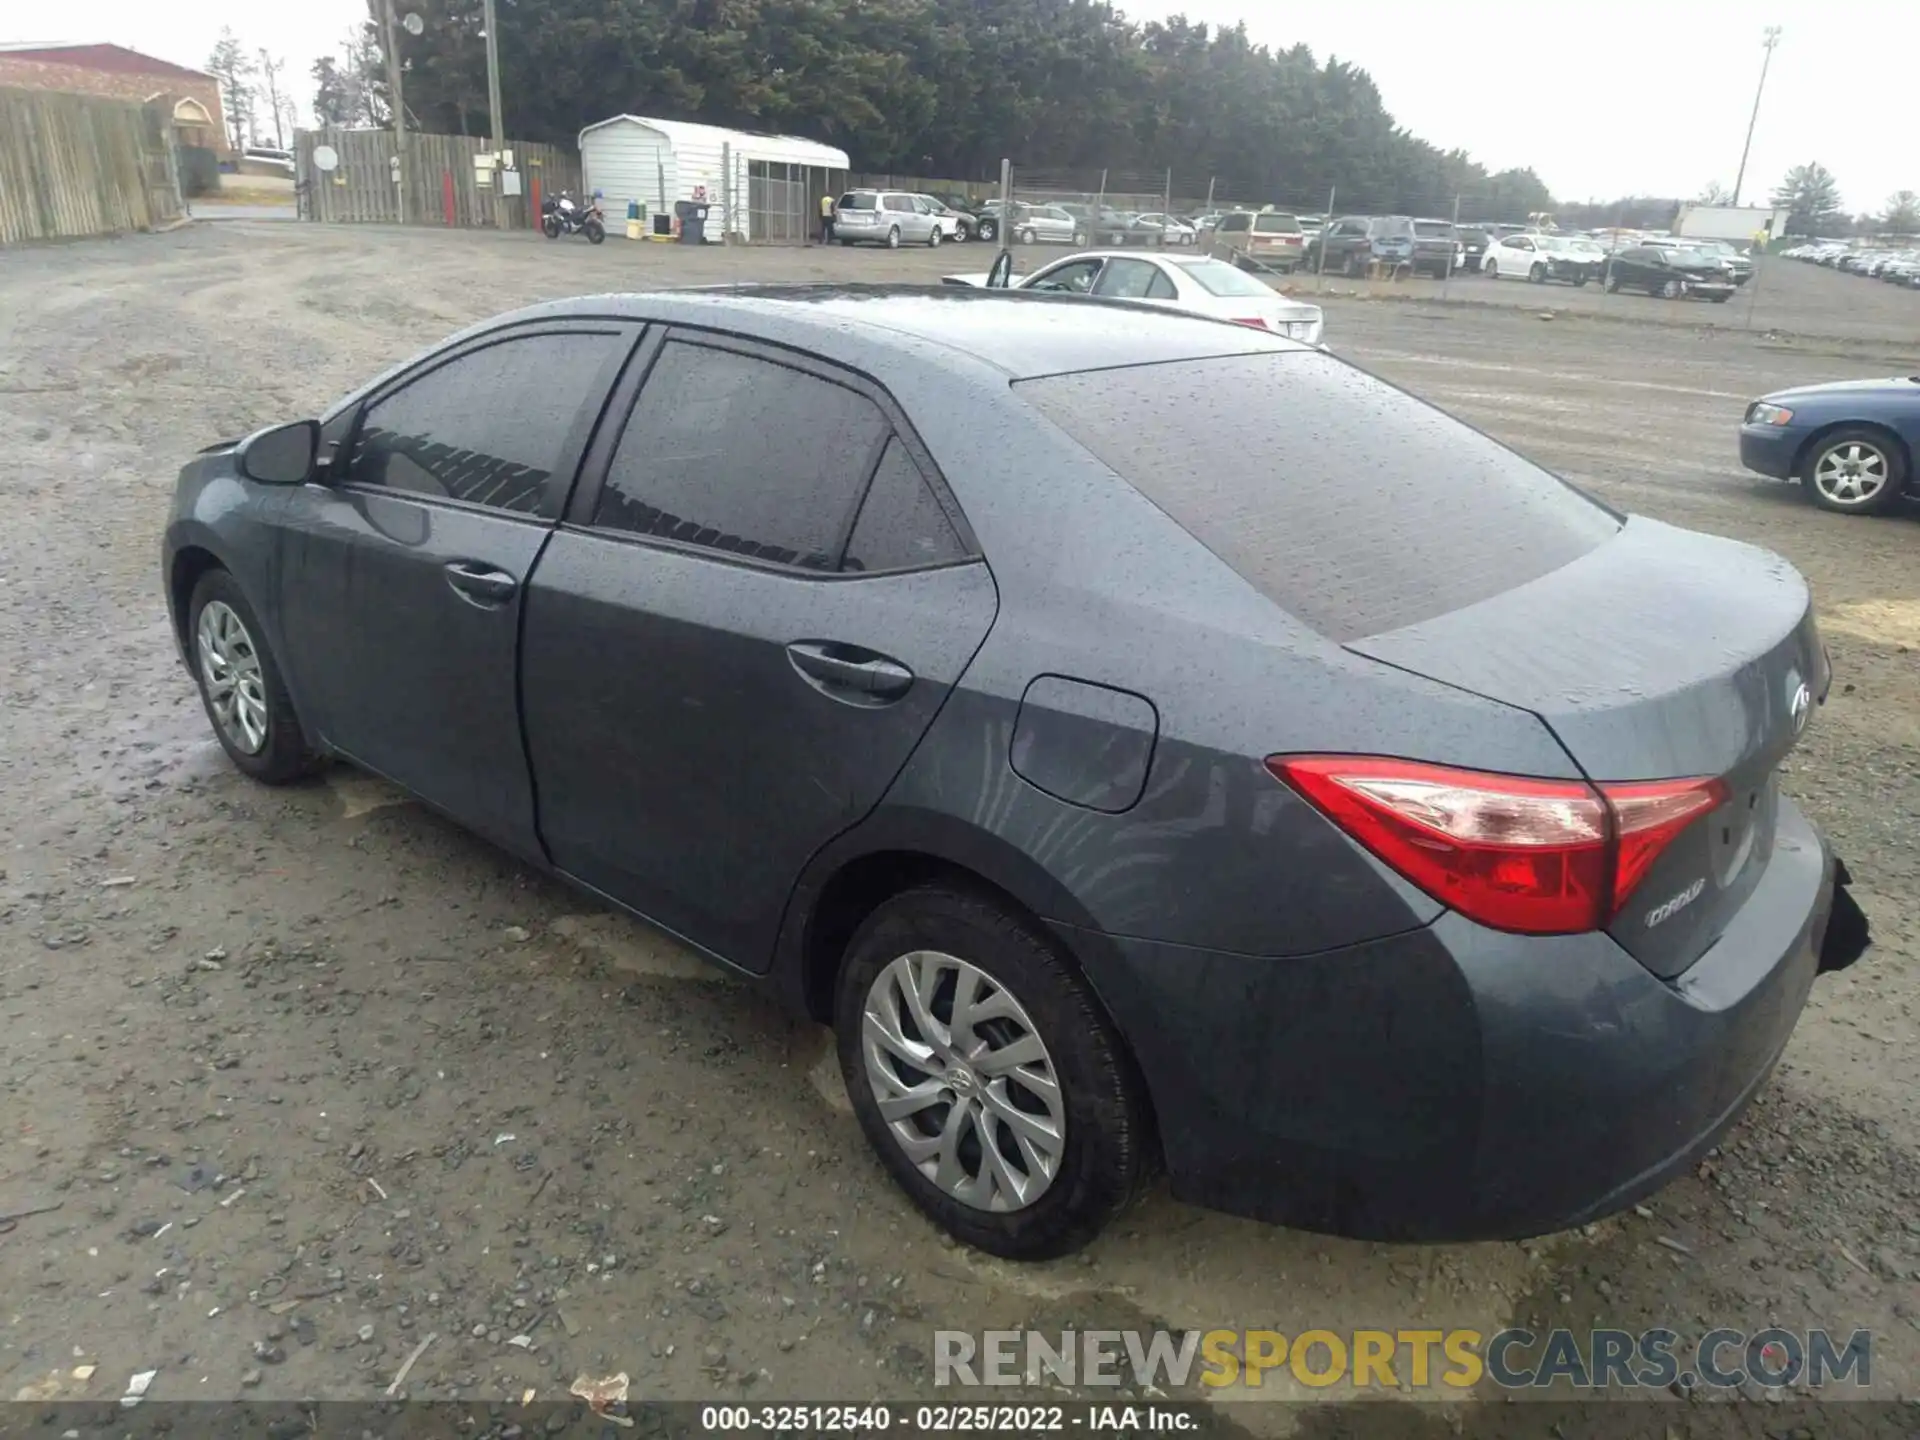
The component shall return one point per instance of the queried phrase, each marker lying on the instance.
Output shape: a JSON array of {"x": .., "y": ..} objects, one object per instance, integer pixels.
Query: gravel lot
[{"x": 450, "y": 1096}]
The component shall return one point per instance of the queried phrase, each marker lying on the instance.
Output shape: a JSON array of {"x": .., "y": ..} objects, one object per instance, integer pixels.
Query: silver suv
[{"x": 886, "y": 217}]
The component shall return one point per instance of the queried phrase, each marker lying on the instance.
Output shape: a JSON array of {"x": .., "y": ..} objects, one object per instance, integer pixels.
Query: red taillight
[
  {"x": 1541, "y": 857},
  {"x": 1254, "y": 320}
]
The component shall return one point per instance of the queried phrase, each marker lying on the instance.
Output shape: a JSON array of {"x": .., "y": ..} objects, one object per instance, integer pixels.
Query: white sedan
[
  {"x": 1172, "y": 230},
  {"x": 1197, "y": 284}
]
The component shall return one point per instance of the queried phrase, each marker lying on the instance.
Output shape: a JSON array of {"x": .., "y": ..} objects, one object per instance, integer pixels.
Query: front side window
[
  {"x": 738, "y": 454},
  {"x": 489, "y": 427},
  {"x": 1076, "y": 277}
]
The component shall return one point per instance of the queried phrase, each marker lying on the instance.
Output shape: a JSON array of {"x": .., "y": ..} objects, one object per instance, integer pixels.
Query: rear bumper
[
  {"x": 1454, "y": 1083},
  {"x": 1770, "y": 449}
]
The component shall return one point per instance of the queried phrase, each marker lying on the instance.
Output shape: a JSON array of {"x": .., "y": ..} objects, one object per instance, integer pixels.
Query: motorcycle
[{"x": 561, "y": 215}]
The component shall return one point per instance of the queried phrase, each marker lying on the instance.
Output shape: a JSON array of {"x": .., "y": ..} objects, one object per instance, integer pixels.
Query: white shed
[{"x": 773, "y": 192}]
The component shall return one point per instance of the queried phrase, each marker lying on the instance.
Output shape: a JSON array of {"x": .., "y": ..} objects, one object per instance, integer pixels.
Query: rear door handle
[
  {"x": 483, "y": 584},
  {"x": 848, "y": 672}
]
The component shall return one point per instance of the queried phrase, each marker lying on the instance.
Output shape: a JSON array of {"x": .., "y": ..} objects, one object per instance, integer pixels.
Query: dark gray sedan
[{"x": 1265, "y": 775}]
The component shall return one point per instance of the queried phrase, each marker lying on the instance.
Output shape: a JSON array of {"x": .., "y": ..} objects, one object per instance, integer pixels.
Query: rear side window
[
  {"x": 901, "y": 525},
  {"x": 1351, "y": 505},
  {"x": 857, "y": 202},
  {"x": 737, "y": 454},
  {"x": 1234, "y": 222},
  {"x": 488, "y": 428}
]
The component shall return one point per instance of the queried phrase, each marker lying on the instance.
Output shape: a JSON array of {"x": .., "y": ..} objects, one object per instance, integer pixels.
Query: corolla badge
[{"x": 1800, "y": 706}]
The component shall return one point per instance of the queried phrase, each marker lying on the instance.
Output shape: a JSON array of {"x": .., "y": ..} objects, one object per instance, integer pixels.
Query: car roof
[{"x": 1022, "y": 335}]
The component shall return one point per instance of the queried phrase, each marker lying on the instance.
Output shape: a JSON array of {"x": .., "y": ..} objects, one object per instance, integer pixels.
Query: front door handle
[
  {"x": 848, "y": 672},
  {"x": 482, "y": 584}
]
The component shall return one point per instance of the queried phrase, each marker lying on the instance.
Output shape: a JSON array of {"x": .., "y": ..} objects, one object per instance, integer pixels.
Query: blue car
[{"x": 1852, "y": 443}]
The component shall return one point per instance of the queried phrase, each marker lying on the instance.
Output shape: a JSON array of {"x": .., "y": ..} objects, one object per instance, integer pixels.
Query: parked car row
[{"x": 1896, "y": 267}]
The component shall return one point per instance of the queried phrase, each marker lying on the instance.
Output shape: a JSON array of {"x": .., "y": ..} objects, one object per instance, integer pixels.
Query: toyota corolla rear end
[{"x": 1583, "y": 918}]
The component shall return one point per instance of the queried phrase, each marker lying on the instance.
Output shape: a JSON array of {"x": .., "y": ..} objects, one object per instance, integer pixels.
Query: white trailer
[
  {"x": 1736, "y": 224},
  {"x": 772, "y": 194}
]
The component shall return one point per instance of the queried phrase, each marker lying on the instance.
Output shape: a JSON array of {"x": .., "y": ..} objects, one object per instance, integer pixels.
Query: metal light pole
[
  {"x": 500, "y": 216},
  {"x": 1769, "y": 39}
]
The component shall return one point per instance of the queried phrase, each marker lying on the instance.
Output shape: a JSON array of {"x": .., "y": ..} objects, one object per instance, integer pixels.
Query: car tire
[
  {"x": 1671, "y": 290},
  {"x": 1537, "y": 273},
  {"x": 988, "y": 231},
  {"x": 963, "y": 233},
  {"x": 1874, "y": 450},
  {"x": 225, "y": 641},
  {"x": 1490, "y": 269},
  {"x": 1027, "y": 237},
  {"x": 893, "y": 238},
  {"x": 1613, "y": 284},
  {"x": 928, "y": 939},
  {"x": 1079, "y": 238},
  {"x": 933, "y": 238}
]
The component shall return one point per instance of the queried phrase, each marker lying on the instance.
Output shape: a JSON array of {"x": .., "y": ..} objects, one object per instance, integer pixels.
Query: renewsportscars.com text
[{"x": 1401, "y": 1359}]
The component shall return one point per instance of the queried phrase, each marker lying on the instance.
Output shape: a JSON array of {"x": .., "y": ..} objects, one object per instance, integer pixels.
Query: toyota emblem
[{"x": 1801, "y": 707}]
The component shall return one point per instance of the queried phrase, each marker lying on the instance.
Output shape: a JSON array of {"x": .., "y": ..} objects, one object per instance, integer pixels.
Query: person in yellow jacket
[{"x": 826, "y": 219}]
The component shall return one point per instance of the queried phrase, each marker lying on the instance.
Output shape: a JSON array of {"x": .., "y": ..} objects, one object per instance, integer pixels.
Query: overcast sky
[{"x": 1626, "y": 96}]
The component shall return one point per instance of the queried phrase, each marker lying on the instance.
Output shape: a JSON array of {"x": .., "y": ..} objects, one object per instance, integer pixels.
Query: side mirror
[
  {"x": 281, "y": 455},
  {"x": 1000, "y": 277}
]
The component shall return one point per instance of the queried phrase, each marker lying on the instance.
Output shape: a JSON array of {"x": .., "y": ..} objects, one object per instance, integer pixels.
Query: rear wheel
[
  {"x": 893, "y": 238},
  {"x": 1672, "y": 290},
  {"x": 963, "y": 233},
  {"x": 1026, "y": 237},
  {"x": 550, "y": 227},
  {"x": 240, "y": 684},
  {"x": 985, "y": 1076},
  {"x": 987, "y": 231},
  {"x": 1856, "y": 470}
]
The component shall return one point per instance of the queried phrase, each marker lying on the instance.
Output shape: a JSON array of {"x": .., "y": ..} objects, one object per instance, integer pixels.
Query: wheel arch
[
  {"x": 189, "y": 563},
  {"x": 1902, "y": 450}
]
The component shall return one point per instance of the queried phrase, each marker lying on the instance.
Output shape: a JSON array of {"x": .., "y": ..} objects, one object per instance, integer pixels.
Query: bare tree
[
  {"x": 279, "y": 102},
  {"x": 1715, "y": 194}
]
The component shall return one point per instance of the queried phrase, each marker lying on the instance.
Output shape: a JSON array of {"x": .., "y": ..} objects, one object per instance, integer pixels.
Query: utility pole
[
  {"x": 1769, "y": 39},
  {"x": 500, "y": 210},
  {"x": 382, "y": 14}
]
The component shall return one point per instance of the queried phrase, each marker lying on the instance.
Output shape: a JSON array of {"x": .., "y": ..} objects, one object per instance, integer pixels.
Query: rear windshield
[
  {"x": 1275, "y": 224},
  {"x": 859, "y": 202},
  {"x": 1347, "y": 502},
  {"x": 1432, "y": 229},
  {"x": 1217, "y": 277}
]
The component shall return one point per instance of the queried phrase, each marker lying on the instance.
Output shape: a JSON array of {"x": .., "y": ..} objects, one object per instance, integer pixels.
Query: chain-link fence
[{"x": 1309, "y": 235}]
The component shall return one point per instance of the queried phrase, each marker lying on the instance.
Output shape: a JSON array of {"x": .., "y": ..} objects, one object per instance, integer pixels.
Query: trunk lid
[{"x": 1661, "y": 654}]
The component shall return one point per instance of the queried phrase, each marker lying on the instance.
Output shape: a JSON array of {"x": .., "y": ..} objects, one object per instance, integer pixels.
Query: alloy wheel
[
  {"x": 230, "y": 672},
  {"x": 1851, "y": 474},
  {"x": 963, "y": 1081}
]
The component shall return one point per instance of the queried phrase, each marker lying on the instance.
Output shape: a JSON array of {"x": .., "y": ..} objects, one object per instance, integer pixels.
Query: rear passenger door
[{"x": 758, "y": 602}]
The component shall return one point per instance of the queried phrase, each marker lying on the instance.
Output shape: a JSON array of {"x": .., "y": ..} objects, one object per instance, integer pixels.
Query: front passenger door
[{"x": 405, "y": 573}]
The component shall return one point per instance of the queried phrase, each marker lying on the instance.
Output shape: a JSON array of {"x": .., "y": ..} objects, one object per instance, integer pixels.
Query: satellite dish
[
  {"x": 413, "y": 24},
  {"x": 326, "y": 158}
]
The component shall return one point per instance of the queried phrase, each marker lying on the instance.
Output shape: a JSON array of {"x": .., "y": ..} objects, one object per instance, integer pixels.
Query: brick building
[{"x": 125, "y": 75}]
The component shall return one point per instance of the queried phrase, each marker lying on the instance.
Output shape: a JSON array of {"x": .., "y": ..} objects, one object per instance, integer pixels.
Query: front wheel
[
  {"x": 1856, "y": 470},
  {"x": 240, "y": 685},
  {"x": 933, "y": 238},
  {"x": 1538, "y": 274},
  {"x": 985, "y": 1075},
  {"x": 1026, "y": 237},
  {"x": 987, "y": 231},
  {"x": 1672, "y": 290},
  {"x": 963, "y": 234},
  {"x": 596, "y": 232}
]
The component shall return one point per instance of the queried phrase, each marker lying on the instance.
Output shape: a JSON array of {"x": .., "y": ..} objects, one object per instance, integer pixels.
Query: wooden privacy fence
[
  {"x": 73, "y": 165},
  {"x": 441, "y": 190}
]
